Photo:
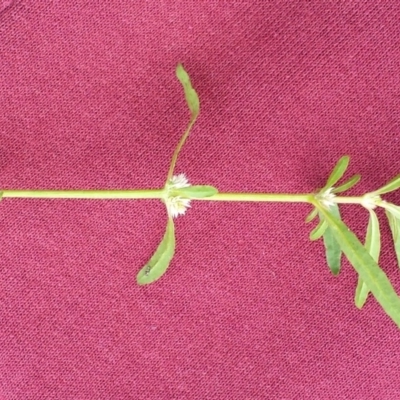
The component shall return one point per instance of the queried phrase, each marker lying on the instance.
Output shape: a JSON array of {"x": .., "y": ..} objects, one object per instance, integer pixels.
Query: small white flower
[
  {"x": 370, "y": 201},
  {"x": 178, "y": 181},
  {"x": 326, "y": 197},
  {"x": 176, "y": 204}
]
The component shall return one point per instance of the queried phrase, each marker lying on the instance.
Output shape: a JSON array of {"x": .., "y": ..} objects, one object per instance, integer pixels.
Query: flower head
[
  {"x": 176, "y": 203},
  {"x": 178, "y": 181},
  {"x": 370, "y": 201},
  {"x": 326, "y": 197}
]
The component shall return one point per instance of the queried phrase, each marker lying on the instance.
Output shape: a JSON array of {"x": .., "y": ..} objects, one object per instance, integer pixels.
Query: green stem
[
  {"x": 86, "y": 194},
  {"x": 160, "y": 194},
  {"x": 269, "y": 197},
  {"x": 349, "y": 199},
  {"x": 179, "y": 146}
]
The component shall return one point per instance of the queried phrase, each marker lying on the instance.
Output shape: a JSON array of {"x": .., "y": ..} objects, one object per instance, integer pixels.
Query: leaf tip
[
  {"x": 180, "y": 71},
  {"x": 191, "y": 96}
]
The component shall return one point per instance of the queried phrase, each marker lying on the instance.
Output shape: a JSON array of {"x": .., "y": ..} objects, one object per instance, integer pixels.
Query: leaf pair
[
  {"x": 364, "y": 263},
  {"x": 337, "y": 173},
  {"x": 162, "y": 257},
  {"x": 333, "y": 252}
]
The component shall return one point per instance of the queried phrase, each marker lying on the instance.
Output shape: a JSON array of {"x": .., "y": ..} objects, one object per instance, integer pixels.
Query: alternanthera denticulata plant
[{"x": 177, "y": 195}]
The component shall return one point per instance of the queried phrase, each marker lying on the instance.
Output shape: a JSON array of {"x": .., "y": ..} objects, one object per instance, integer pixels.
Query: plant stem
[
  {"x": 348, "y": 199},
  {"x": 269, "y": 197},
  {"x": 160, "y": 194},
  {"x": 179, "y": 146},
  {"x": 86, "y": 194}
]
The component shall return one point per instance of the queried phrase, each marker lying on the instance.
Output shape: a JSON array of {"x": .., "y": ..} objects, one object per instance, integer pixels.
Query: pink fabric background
[{"x": 248, "y": 309}]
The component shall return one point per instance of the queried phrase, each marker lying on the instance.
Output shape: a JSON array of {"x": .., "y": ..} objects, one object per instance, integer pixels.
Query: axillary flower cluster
[{"x": 176, "y": 202}]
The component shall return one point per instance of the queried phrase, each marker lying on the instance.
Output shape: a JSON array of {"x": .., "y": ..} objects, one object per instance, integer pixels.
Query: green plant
[{"x": 338, "y": 239}]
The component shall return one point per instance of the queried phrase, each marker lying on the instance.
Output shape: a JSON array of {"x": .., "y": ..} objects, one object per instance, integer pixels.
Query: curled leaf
[
  {"x": 191, "y": 96},
  {"x": 161, "y": 258}
]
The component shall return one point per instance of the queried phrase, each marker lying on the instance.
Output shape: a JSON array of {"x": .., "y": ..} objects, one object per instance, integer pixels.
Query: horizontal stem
[
  {"x": 160, "y": 193},
  {"x": 269, "y": 197},
  {"x": 86, "y": 194},
  {"x": 348, "y": 200}
]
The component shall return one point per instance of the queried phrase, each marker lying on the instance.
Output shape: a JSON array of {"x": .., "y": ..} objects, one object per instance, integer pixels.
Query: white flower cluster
[
  {"x": 177, "y": 205},
  {"x": 370, "y": 202},
  {"x": 327, "y": 197}
]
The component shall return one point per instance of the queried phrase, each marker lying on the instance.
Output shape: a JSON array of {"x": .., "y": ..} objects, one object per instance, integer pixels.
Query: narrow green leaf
[
  {"x": 394, "y": 210},
  {"x": 160, "y": 260},
  {"x": 348, "y": 184},
  {"x": 373, "y": 246},
  {"x": 191, "y": 96},
  {"x": 311, "y": 216},
  {"x": 392, "y": 185},
  {"x": 338, "y": 171},
  {"x": 373, "y": 236},
  {"x": 332, "y": 249},
  {"x": 394, "y": 224},
  {"x": 193, "y": 103},
  {"x": 319, "y": 230},
  {"x": 362, "y": 293},
  {"x": 197, "y": 192},
  {"x": 369, "y": 271}
]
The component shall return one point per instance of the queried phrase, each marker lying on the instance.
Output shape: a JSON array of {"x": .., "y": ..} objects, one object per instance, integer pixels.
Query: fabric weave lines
[{"x": 248, "y": 308}]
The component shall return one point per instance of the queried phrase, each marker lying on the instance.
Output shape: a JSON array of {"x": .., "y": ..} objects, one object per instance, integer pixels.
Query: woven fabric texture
[{"x": 248, "y": 308}]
